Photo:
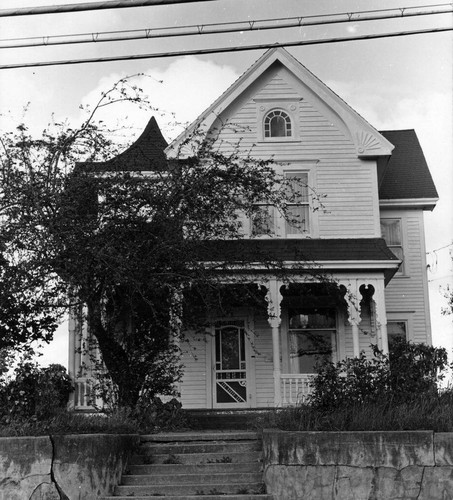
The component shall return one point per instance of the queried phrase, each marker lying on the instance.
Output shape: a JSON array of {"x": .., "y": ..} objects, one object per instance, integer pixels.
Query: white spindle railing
[
  {"x": 83, "y": 394},
  {"x": 295, "y": 388}
]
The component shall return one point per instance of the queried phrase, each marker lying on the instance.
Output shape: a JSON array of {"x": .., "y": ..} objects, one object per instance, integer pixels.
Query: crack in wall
[
  {"x": 421, "y": 483},
  {"x": 38, "y": 486},
  {"x": 61, "y": 493}
]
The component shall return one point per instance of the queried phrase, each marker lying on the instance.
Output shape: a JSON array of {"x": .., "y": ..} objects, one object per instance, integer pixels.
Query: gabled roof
[
  {"x": 145, "y": 154},
  {"x": 368, "y": 141},
  {"x": 406, "y": 176}
]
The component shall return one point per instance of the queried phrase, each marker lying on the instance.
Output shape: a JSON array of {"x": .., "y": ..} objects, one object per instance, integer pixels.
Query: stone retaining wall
[
  {"x": 415, "y": 465},
  {"x": 60, "y": 467}
]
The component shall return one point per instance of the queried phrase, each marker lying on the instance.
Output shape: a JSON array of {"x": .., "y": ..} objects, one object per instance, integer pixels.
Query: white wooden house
[{"x": 369, "y": 237}]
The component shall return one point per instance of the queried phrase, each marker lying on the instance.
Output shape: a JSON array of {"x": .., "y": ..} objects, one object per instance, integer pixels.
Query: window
[
  {"x": 263, "y": 222},
  {"x": 277, "y": 123},
  {"x": 396, "y": 329},
  {"x": 267, "y": 221},
  {"x": 392, "y": 233},
  {"x": 298, "y": 206},
  {"x": 312, "y": 337}
]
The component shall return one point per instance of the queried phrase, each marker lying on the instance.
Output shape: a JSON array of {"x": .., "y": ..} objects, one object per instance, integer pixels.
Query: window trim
[
  {"x": 279, "y": 222},
  {"x": 267, "y": 121},
  {"x": 289, "y": 105},
  {"x": 402, "y": 316},
  {"x": 337, "y": 337},
  {"x": 402, "y": 270},
  {"x": 307, "y": 204}
]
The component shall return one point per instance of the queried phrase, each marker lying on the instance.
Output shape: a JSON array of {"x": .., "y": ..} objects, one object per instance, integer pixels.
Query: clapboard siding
[
  {"x": 406, "y": 295},
  {"x": 348, "y": 183},
  {"x": 193, "y": 386},
  {"x": 264, "y": 374}
]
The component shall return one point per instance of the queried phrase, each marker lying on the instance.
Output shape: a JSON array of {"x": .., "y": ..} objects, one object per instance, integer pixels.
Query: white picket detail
[{"x": 295, "y": 388}]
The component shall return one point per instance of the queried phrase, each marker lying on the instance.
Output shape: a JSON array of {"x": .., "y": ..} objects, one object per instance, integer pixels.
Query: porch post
[
  {"x": 273, "y": 298},
  {"x": 381, "y": 315},
  {"x": 353, "y": 301},
  {"x": 275, "y": 325}
]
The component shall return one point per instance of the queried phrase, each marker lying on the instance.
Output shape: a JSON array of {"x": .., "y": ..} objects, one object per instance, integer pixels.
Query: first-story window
[
  {"x": 312, "y": 338},
  {"x": 396, "y": 330},
  {"x": 392, "y": 233}
]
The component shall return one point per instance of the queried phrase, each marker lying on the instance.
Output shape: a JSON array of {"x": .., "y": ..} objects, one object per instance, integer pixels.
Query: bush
[
  {"x": 424, "y": 412},
  {"x": 409, "y": 370},
  {"x": 34, "y": 392},
  {"x": 154, "y": 415}
]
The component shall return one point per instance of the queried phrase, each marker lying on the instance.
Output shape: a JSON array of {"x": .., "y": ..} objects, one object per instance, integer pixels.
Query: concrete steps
[
  {"x": 226, "y": 419},
  {"x": 212, "y": 465}
]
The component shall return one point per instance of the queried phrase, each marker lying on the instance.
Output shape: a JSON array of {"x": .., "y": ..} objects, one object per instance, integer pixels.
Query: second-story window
[
  {"x": 263, "y": 221},
  {"x": 268, "y": 221},
  {"x": 392, "y": 233},
  {"x": 277, "y": 124},
  {"x": 298, "y": 216}
]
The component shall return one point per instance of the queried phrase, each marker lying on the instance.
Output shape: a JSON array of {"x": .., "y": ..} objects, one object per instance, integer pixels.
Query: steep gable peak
[{"x": 368, "y": 141}]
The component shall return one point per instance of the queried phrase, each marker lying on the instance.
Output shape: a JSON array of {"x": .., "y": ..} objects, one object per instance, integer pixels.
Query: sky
[{"x": 394, "y": 83}]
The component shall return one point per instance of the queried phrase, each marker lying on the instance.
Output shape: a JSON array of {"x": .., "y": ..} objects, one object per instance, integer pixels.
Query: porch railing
[
  {"x": 83, "y": 394},
  {"x": 295, "y": 388}
]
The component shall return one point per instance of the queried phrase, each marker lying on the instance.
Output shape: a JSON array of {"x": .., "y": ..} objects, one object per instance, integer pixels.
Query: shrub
[
  {"x": 155, "y": 415},
  {"x": 409, "y": 370},
  {"x": 34, "y": 392}
]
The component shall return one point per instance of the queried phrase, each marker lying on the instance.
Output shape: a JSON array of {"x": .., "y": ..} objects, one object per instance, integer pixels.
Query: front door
[{"x": 231, "y": 358}]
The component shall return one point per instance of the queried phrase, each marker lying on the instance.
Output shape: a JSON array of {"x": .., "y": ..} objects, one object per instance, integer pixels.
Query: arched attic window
[{"x": 277, "y": 123}]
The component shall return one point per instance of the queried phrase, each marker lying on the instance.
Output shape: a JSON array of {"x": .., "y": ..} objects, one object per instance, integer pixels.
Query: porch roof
[{"x": 330, "y": 254}]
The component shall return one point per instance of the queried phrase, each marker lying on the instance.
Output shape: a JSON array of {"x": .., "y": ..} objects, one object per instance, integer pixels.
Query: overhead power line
[
  {"x": 219, "y": 50},
  {"x": 80, "y": 7},
  {"x": 226, "y": 27}
]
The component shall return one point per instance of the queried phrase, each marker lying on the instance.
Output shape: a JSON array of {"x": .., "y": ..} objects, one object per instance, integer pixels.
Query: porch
[{"x": 265, "y": 358}]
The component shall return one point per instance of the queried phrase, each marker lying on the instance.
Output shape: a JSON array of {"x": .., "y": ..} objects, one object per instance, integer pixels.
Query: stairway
[{"x": 189, "y": 465}]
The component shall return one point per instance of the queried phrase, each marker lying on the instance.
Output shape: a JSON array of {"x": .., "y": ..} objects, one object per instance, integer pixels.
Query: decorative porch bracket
[
  {"x": 352, "y": 299},
  {"x": 273, "y": 299}
]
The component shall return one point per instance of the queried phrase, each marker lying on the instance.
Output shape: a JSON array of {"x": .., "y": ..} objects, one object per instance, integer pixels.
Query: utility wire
[
  {"x": 80, "y": 7},
  {"x": 440, "y": 248},
  {"x": 220, "y": 50},
  {"x": 222, "y": 28}
]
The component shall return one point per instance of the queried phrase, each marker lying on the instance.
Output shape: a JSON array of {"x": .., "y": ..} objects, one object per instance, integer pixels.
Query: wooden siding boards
[
  {"x": 193, "y": 387},
  {"x": 263, "y": 363},
  {"x": 406, "y": 295},
  {"x": 350, "y": 184}
]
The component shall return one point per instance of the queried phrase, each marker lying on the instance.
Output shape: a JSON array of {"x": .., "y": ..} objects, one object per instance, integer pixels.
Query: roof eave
[{"x": 411, "y": 203}]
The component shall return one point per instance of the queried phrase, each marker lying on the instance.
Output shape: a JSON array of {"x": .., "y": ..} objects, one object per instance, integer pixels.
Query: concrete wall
[
  {"x": 358, "y": 465},
  {"x": 73, "y": 467}
]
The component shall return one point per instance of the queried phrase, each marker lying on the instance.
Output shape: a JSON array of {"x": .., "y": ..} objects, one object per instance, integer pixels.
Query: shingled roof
[
  {"x": 145, "y": 154},
  {"x": 407, "y": 175},
  {"x": 329, "y": 253}
]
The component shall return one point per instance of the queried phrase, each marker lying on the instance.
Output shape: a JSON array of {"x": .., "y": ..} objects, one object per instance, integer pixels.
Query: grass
[
  {"x": 67, "y": 422},
  {"x": 424, "y": 412},
  {"x": 120, "y": 421}
]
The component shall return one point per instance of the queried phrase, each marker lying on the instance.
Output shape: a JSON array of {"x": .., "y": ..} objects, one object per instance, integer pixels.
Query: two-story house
[{"x": 368, "y": 237}]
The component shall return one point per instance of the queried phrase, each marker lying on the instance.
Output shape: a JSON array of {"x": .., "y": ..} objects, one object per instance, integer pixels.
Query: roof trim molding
[
  {"x": 319, "y": 264},
  {"x": 368, "y": 141},
  {"x": 423, "y": 203}
]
